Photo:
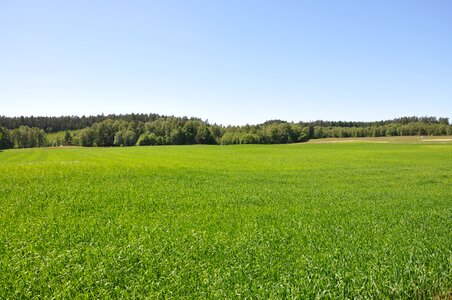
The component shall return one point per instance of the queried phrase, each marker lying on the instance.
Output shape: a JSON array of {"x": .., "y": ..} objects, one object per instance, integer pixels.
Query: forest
[{"x": 154, "y": 129}]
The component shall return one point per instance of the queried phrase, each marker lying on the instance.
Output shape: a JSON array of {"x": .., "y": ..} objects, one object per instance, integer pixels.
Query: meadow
[{"x": 339, "y": 220}]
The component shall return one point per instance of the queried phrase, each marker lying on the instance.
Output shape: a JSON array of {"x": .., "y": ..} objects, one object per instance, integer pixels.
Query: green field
[{"x": 342, "y": 220}]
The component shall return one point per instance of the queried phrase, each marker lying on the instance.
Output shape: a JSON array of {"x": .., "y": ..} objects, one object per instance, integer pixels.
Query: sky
[{"x": 228, "y": 62}]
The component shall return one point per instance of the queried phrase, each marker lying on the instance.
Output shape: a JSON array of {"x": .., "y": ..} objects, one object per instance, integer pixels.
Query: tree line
[
  {"x": 63, "y": 123},
  {"x": 56, "y": 124},
  {"x": 390, "y": 129},
  {"x": 153, "y": 129},
  {"x": 399, "y": 121}
]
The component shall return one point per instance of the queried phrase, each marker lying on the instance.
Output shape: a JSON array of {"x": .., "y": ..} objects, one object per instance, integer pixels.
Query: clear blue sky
[{"x": 231, "y": 62}]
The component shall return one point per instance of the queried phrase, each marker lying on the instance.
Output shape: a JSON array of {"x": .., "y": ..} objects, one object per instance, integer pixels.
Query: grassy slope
[{"x": 210, "y": 221}]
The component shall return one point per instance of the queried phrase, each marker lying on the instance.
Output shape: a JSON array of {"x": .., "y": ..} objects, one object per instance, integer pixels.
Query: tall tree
[{"x": 5, "y": 139}]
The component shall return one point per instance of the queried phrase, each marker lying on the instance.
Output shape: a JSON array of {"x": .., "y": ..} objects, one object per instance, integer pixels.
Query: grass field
[{"x": 342, "y": 220}]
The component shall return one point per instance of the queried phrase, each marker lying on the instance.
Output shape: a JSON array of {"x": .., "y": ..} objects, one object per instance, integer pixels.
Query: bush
[
  {"x": 149, "y": 139},
  {"x": 249, "y": 138}
]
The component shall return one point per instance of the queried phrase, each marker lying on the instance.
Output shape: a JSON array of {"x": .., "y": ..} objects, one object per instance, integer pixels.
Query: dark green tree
[
  {"x": 86, "y": 137},
  {"x": 5, "y": 139},
  {"x": 67, "y": 138},
  {"x": 105, "y": 133},
  {"x": 204, "y": 135},
  {"x": 190, "y": 130}
]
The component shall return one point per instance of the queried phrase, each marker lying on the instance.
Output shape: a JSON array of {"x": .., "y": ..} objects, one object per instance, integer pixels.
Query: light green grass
[{"x": 301, "y": 221}]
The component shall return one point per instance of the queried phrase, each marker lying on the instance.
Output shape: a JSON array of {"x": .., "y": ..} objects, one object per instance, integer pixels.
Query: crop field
[{"x": 338, "y": 220}]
